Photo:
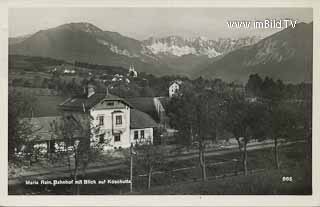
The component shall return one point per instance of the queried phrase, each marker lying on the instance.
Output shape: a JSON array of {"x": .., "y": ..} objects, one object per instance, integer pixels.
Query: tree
[
  {"x": 282, "y": 122},
  {"x": 202, "y": 129},
  {"x": 182, "y": 110},
  {"x": 253, "y": 86},
  {"x": 19, "y": 128},
  {"x": 75, "y": 133},
  {"x": 278, "y": 117},
  {"x": 202, "y": 159},
  {"x": 245, "y": 121},
  {"x": 149, "y": 157},
  {"x": 196, "y": 115}
]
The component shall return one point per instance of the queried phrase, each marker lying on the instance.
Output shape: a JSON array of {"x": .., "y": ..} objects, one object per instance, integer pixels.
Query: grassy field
[
  {"x": 292, "y": 157},
  {"x": 187, "y": 180},
  {"x": 263, "y": 183}
]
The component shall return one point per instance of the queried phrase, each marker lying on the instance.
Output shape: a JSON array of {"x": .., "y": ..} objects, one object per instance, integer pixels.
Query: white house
[
  {"x": 112, "y": 116},
  {"x": 67, "y": 71},
  {"x": 118, "y": 122},
  {"x": 174, "y": 88}
]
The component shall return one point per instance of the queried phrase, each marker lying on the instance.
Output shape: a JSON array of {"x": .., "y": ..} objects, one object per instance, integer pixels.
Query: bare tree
[
  {"x": 196, "y": 114},
  {"x": 245, "y": 121},
  {"x": 202, "y": 160},
  {"x": 20, "y": 130},
  {"x": 149, "y": 157},
  {"x": 75, "y": 134},
  {"x": 282, "y": 121}
]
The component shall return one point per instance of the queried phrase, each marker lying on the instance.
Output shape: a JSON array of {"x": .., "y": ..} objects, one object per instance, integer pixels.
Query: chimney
[{"x": 91, "y": 90}]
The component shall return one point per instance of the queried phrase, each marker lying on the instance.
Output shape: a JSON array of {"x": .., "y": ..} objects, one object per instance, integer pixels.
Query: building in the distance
[
  {"x": 174, "y": 88},
  {"x": 132, "y": 72}
]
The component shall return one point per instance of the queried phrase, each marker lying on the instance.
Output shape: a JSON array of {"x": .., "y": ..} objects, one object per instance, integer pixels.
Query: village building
[
  {"x": 68, "y": 71},
  {"x": 150, "y": 105},
  {"x": 64, "y": 68},
  {"x": 155, "y": 107},
  {"x": 119, "y": 123},
  {"x": 117, "y": 77},
  {"x": 132, "y": 72},
  {"x": 174, "y": 88}
]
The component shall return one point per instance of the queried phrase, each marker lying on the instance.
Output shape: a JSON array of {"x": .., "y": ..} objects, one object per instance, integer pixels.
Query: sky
[{"x": 142, "y": 23}]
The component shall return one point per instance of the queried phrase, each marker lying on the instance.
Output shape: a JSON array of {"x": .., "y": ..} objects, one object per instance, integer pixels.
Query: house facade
[
  {"x": 114, "y": 121},
  {"x": 112, "y": 117},
  {"x": 174, "y": 88}
]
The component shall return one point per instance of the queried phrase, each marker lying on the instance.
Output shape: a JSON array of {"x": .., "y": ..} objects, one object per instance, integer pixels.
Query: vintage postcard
[{"x": 184, "y": 101}]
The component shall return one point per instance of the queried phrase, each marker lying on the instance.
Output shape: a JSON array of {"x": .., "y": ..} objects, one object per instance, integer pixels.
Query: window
[
  {"x": 101, "y": 120},
  {"x": 142, "y": 134},
  {"x": 117, "y": 137},
  {"x": 118, "y": 120},
  {"x": 110, "y": 103},
  {"x": 136, "y": 134},
  {"x": 101, "y": 138}
]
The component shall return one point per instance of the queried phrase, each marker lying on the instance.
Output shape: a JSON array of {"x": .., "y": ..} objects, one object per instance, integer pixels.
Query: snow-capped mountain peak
[
  {"x": 179, "y": 46},
  {"x": 115, "y": 48},
  {"x": 200, "y": 46}
]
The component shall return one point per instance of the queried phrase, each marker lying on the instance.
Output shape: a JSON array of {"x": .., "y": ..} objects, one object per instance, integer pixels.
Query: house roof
[
  {"x": 43, "y": 128},
  {"x": 80, "y": 102},
  {"x": 46, "y": 101},
  {"x": 140, "y": 120},
  {"x": 145, "y": 104},
  {"x": 179, "y": 82},
  {"x": 47, "y": 106}
]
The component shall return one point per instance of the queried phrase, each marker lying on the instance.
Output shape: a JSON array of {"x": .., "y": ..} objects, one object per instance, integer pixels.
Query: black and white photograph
[{"x": 160, "y": 101}]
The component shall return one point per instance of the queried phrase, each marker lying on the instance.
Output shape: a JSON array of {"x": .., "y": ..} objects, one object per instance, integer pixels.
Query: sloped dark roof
[
  {"x": 47, "y": 106},
  {"x": 46, "y": 101},
  {"x": 145, "y": 104},
  {"x": 78, "y": 102},
  {"x": 43, "y": 128},
  {"x": 140, "y": 120}
]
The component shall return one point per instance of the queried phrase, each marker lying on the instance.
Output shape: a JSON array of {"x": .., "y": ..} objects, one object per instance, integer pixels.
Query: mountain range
[
  {"x": 285, "y": 55},
  {"x": 279, "y": 55}
]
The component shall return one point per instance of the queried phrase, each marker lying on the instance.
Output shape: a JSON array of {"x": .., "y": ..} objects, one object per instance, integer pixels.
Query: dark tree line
[
  {"x": 271, "y": 89},
  {"x": 112, "y": 70}
]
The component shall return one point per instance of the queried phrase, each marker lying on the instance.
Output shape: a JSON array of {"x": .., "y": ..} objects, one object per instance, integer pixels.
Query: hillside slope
[{"x": 285, "y": 55}]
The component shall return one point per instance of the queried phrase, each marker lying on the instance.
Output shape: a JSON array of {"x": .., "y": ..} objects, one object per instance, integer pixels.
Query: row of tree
[
  {"x": 201, "y": 113},
  {"x": 271, "y": 89}
]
